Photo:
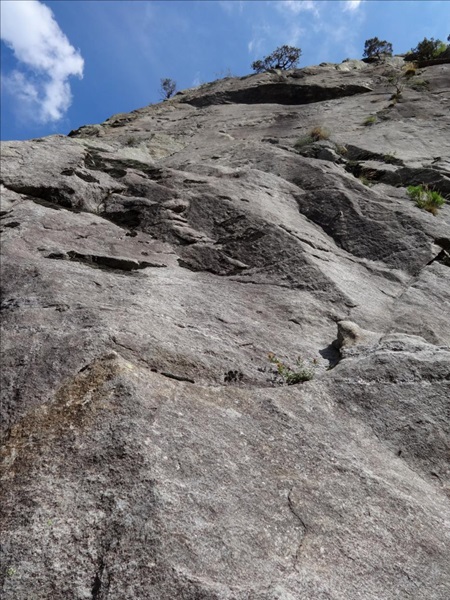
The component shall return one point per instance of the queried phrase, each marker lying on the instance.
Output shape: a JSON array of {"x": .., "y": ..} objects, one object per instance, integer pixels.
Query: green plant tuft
[
  {"x": 390, "y": 159},
  {"x": 365, "y": 181},
  {"x": 303, "y": 141},
  {"x": 291, "y": 376},
  {"x": 316, "y": 134},
  {"x": 425, "y": 198},
  {"x": 370, "y": 121}
]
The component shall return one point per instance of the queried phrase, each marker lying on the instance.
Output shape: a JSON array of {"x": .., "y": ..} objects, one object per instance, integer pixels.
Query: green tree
[
  {"x": 375, "y": 48},
  {"x": 428, "y": 49},
  {"x": 284, "y": 57},
  {"x": 168, "y": 88}
]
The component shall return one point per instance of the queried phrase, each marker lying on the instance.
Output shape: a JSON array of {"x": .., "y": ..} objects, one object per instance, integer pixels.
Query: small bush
[
  {"x": 370, "y": 121},
  {"x": 316, "y": 134},
  {"x": 375, "y": 48},
  {"x": 284, "y": 57},
  {"x": 425, "y": 198},
  {"x": 410, "y": 72},
  {"x": 396, "y": 80},
  {"x": 428, "y": 49},
  {"x": 441, "y": 47},
  {"x": 319, "y": 133},
  {"x": 291, "y": 376},
  {"x": 395, "y": 98},
  {"x": 168, "y": 88}
]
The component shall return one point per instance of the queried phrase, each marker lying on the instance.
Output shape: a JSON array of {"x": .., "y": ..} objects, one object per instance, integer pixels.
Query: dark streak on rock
[
  {"x": 105, "y": 262},
  {"x": 98, "y": 582},
  {"x": 278, "y": 93},
  {"x": 12, "y": 224},
  {"x": 302, "y": 523},
  {"x": 177, "y": 377}
]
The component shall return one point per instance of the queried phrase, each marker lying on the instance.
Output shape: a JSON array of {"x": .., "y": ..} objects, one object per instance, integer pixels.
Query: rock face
[{"x": 150, "y": 264}]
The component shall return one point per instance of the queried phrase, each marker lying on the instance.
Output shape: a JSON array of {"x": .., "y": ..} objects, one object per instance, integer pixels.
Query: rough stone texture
[{"x": 150, "y": 265}]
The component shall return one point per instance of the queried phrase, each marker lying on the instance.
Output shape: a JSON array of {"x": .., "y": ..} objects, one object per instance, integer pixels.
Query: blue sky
[{"x": 68, "y": 63}]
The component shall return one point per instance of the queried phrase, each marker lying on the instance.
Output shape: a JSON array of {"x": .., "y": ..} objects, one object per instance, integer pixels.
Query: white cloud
[
  {"x": 352, "y": 4},
  {"x": 261, "y": 33},
  {"x": 295, "y": 7},
  {"x": 42, "y": 50}
]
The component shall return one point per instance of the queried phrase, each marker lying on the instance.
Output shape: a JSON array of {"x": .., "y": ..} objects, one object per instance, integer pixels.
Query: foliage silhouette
[
  {"x": 168, "y": 88},
  {"x": 375, "y": 48},
  {"x": 428, "y": 49},
  {"x": 284, "y": 57}
]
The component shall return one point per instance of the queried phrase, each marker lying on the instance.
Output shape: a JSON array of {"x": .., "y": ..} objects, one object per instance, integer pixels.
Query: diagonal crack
[{"x": 302, "y": 523}]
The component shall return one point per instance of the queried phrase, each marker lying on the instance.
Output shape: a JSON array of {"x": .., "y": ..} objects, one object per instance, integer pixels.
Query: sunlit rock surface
[{"x": 150, "y": 265}]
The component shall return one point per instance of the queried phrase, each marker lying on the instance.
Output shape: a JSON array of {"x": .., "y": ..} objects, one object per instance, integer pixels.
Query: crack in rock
[
  {"x": 114, "y": 263},
  {"x": 302, "y": 523}
]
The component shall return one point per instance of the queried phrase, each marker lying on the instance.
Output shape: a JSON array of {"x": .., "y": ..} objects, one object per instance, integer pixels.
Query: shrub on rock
[
  {"x": 425, "y": 198},
  {"x": 168, "y": 88},
  {"x": 428, "y": 49},
  {"x": 284, "y": 57},
  {"x": 375, "y": 48}
]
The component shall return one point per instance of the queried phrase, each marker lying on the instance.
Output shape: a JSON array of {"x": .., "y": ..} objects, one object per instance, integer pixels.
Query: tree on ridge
[
  {"x": 375, "y": 48},
  {"x": 168, "y": 88},
  {"x": 284, "y": 57}
]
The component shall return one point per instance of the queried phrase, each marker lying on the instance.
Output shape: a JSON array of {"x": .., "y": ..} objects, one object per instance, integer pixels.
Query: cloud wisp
[
  {"x": 46, "y": 60},
  {"x": 295, "y": 7},
  {"x": 351, "y": 5}
]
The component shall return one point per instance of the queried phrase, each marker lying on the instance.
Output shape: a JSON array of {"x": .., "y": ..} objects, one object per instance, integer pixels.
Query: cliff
[{"x": 151, "y": 264}]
